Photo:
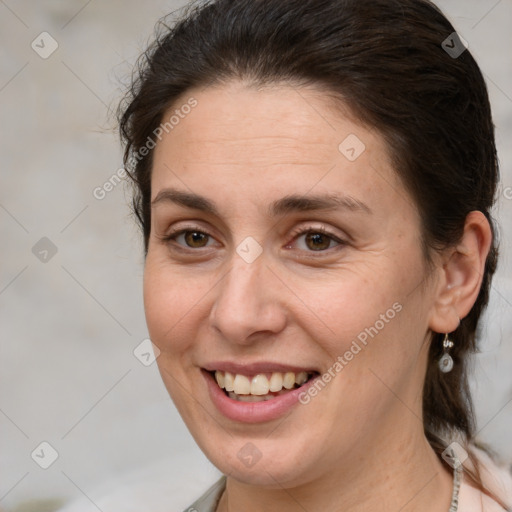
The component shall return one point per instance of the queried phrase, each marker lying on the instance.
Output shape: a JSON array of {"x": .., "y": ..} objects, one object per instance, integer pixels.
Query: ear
[{"x": 460, "y": 275}]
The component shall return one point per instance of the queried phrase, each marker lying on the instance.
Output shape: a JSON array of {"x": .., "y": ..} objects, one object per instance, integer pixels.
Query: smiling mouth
[{"x": 260, "y": 387}]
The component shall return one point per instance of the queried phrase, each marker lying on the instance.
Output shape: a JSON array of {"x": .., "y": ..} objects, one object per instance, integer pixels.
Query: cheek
[
  {"x": 373, "y": 314},
  {"x": 170, "y": 299},
  {"x": 345, "y": 303}
]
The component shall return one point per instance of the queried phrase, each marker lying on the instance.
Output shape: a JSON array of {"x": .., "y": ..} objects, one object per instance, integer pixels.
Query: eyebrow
[{"x": 287, "y": 204}]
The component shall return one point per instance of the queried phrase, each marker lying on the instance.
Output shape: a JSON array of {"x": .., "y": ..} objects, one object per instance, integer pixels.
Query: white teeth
[
  {"x": 300, "y": 378},
  {"x": 219, "y": 377},
  {"x": 229, "y": 380},
  {"x": 276, "y": 382},
  {"x": 255, "y": 398},
  {"x": 242, "y": 385},
  {"x": 249, "y": 398},
  {"x": 289, "y": 380},
  {"x": 260, "y": 386}
]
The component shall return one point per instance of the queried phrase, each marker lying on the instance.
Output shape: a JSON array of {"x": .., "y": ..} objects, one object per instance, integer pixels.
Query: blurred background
[{"x": 84, "y": 418}]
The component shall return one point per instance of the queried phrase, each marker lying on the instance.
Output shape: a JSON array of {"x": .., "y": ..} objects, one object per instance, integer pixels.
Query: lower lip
[{"x": 253, "y": 412}]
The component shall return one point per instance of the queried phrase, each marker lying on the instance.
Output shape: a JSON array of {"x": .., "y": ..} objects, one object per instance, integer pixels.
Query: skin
[{"x": 359, "y": 444}]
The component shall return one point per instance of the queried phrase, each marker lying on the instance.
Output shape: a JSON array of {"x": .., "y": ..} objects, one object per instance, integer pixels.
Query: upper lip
[{"x": 254, "y": 367}]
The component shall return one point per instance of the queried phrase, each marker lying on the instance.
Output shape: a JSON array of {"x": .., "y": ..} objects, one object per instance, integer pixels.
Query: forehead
[
  {"x": 279, "y": 135},
  {"x": 231, "y": 114}
]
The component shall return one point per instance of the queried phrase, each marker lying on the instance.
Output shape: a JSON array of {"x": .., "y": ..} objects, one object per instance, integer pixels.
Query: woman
[{"x": 314, "y": 182}]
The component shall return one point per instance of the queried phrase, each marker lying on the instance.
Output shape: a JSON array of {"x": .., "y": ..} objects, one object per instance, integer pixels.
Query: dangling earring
[{"x": 446, "y": 361}]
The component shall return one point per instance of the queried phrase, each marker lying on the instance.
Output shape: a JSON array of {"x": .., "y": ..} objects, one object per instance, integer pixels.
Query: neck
[{"x": 402, "y": 473}]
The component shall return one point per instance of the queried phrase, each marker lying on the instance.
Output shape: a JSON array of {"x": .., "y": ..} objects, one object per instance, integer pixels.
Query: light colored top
[
  {"x": 496, "y": 478},
  {"x": 210, "y": 499}
]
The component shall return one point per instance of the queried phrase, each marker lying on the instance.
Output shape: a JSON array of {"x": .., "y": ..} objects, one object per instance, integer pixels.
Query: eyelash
[{"x": 295, "y": 234}]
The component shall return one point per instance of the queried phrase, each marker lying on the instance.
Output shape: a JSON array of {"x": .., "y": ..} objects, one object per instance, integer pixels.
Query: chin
[{"x": 273, "y": 463}]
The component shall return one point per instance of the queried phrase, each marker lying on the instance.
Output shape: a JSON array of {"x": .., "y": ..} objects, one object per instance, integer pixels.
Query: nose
[{"x": 248, "y": 304}]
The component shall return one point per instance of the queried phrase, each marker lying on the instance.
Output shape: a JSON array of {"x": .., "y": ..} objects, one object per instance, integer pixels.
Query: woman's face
[{"x": 283, "y": 242}]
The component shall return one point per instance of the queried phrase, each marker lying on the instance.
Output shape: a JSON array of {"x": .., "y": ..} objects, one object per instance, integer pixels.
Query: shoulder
[{"x": 496, "y": 477}]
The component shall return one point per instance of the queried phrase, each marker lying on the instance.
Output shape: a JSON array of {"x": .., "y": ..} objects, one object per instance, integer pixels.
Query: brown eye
[
  {"x": 188, "y": 239},
  {"x": 195, "y": 239},
  {"x": 317, "y": 241}
]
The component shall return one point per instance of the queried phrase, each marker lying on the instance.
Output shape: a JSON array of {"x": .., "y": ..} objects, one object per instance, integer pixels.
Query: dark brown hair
[{"x": 385, "y": 60}]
